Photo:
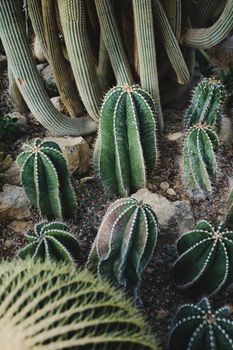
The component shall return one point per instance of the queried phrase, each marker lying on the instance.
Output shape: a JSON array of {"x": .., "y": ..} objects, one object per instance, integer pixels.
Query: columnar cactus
[
  {"x": 51, "y": 241},
  {"x": 205, "y": 259},
  {"x": 125, "y": 242},
  {"x": 229, "y": 218},
  {"x": 45, "y": 177},
  {"x": 126, "y": 146},
  {"x": 199, "y": 327},
  {"x": 52, "y": 306}
]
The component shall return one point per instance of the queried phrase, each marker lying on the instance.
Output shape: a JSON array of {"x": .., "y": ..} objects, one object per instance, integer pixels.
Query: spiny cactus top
[
  {"x": 125, "y": 241},
  {"x": 206, "y": 105},
  {"x": 206, "y": 259},
  {"x": 51, "y": 241},
  {"x": 46, "y": 179},
  {"x": 54, "y": 307},
  {"x": 126, "y": 146},
  {"x": 199, "y": 327},
  {"x": 229, "y": 218}
]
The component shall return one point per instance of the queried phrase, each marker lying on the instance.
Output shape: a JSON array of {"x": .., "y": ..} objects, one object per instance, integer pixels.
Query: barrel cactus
[
  {"x": 45, "y": 177},
  {"x": 52, "y": 306},
  {"x": 126, "y": 146},
  {"x": 229, "y": 218},
  {"x": 205, "y": 259},
  {"x": 51, "y": 241},
  {"x": 199, "y": 327},
  {"x": 125, "y": 242}
]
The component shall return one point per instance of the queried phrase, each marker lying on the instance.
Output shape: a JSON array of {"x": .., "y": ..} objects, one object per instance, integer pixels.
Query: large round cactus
[
  {"x": 51, "y": 241},
  {"x": 53, "y": 307},
  {"x": 45, "y": 177},
  {"x": 125, "y": 241},
  {"x": 199, "y": 327},
  {"x": 206, "y": 259},
  {"x": 126, "y": 146}
]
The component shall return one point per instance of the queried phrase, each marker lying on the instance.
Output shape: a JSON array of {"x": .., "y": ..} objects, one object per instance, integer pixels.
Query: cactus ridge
[
  {"x": 46, "y": 179},
  {"x": 229, "y": 217},
  {"x": 51, "y": 241},
  {"x": 205, "y": 259},
  {"x": 200, "y": 327},
  {"x": 125, "y": 242},
  {"x": 126, "y": 145}
]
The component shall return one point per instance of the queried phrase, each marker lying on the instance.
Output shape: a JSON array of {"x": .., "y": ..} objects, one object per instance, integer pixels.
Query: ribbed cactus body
[
  {"x": 229, "y": 217},
  {"x": 52, "y": 307},
  {"x": 205, "y": 259},
  {"x": 200, "y": 327},
  {"x": 45, "y": 177},
  {"x": 126, "y": 145},
  {"x": 51, "y": 241},
  {"x": 125, "y": 241}
]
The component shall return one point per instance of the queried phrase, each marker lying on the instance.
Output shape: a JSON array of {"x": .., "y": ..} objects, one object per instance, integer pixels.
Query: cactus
[
  {"x": 205, "y": 259},
  {"x": 125, "y": 242},
  {"x": 51, "y": 241},
  {"x": 52, "y": 306},
  {"x": 199, "y": 327},
  {"x": 229, "y": 217},
  {"x": 45, "y": 177},
  {"x": 126, "y": 146}
]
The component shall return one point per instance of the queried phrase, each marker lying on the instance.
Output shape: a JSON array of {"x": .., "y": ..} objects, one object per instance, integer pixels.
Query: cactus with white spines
[
  {"x": 205, "y": 259},
  {"x": 229, "y": 217},
  {"x": 200, "y": 327},
  {"x": 51, "y": 241},
  {"x": 46, "y": 179},
  {"x": 125, "y": 242},
  {"x": 126, "y": 145}
]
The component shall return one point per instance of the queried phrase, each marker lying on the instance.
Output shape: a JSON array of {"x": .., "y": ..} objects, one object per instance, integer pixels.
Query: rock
[
  {"x": 12, "y": 175},
  {"x": 161, "y": 314},
  {"x": 171, "y": 192},
  {"x": 49, "y": 81},
  {"x": 41, "y": 66},
  {"x": 226, "y": 134},
  {"x": 174, "y": 136},
  {"x": 14, "y": 203},
  {"x": 86, "y": 180},
  {"x": 21, "y": 226},
  {"x": 57, "y": 102},
  {"x": 21, "y": 120},
  {"x": 174, "y": 217},
  {"x": 164, "y": 185}
]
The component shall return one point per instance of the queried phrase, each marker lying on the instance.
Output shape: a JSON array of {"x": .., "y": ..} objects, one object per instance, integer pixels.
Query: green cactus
[
  {"x": 52, "y": 307},
  {"x": 45, "y": 177},
  {"x": 125, "y": 242},
  {"x": 205, "y": 259},
  {"x": 51, "y": 241},
  {"x": 126, "y": 146},
  {"x": 229, "y": 217},
  {"x": 199, "y": 327}
]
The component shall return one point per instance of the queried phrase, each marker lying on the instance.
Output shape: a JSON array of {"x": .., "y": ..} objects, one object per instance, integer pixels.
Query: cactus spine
[
  {"x": 205, "y": 259},
  {"x": 229, "y": 217},
  {"x": 126, "y": 144},
  {"x": 125, "y": 242},
  {"x": 52, "y": 306},
  {"x": 45, "y": 177},
  {"x": 51, "y": 241}
]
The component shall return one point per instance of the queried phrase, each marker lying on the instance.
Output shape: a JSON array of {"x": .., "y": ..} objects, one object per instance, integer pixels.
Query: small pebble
[
  {"x": 164, "y": 185},
  {"x": 171, "y": 192},
  {"x": 86, "y": 179},
  {"x": 161, "y": 314}
]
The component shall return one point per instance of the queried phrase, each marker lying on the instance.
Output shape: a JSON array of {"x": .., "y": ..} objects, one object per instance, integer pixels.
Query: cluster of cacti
[
  {"x": 53, "y": 306},
  {"x": 125, "y": 150},
  {"x": 205, "y": 259},
  {"x": 46, "y": 179},
  {"x": 199, "y": 327},
  {"x": 51, "y": 241},
  {"x": 125, "y": 242},
  {"x": 229, "y": 218}
]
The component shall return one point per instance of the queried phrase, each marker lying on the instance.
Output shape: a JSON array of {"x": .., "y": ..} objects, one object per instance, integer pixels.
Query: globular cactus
[
  {"x": 51, "y": 241},
  {"x": 199, "y": 327},
  {"x": 45, "y": 177},
  {"x": 229, "y": 217},
  {"x": 125, "y": 242},
  {"x": 126, "y": 146},
  {"x": 53, "y": 306},
  {"x": 205, "y": 259}
]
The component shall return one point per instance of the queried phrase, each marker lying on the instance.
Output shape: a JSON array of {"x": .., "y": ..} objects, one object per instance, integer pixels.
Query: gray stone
[
  {"x": 21, "y": 226},
  {"x": 57, "y": 102},
  {"x": 21, "y": 120},
  {"x": 12, "y": 175},
  {"x": 226, "y": 134},
  {"x": 164, "y": 185},
  {"x": 14, "y": 203},
  {"x": 49, "y": 81},
  {"x": 174, "y": 136},
  {"x": 171, "y": 192}
]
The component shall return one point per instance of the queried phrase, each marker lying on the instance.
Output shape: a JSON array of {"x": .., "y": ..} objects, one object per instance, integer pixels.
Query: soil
[{"x": 159, "y": 294}]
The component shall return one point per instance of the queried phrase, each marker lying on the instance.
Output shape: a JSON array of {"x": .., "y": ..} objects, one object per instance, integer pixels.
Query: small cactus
[
  {"x": 125, "y": 241},
  {"x": 52, "y": 306},
  {"x": 126, "y": 146},
  {"x": 205, "y": 259},
  {"x": 200, "y": 166},
  {"x": 51, "y": 241},
  {"x": 45, "y": 177},
  {"x": 199, "y": 327},
  {"x": 229, "y": 218}
]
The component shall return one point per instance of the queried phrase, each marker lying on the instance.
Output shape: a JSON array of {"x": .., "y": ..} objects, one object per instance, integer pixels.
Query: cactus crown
[
  {"x": 52, "y": 306},
  {"x": 51, "y": 241},
  {"x": 46, "y": 179},
  {"x": 126, "y": 144},
  {"x": 205, "y": 259},
  {"x": 199, "y": 327},
  {"x": 125, "y": 241}
]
